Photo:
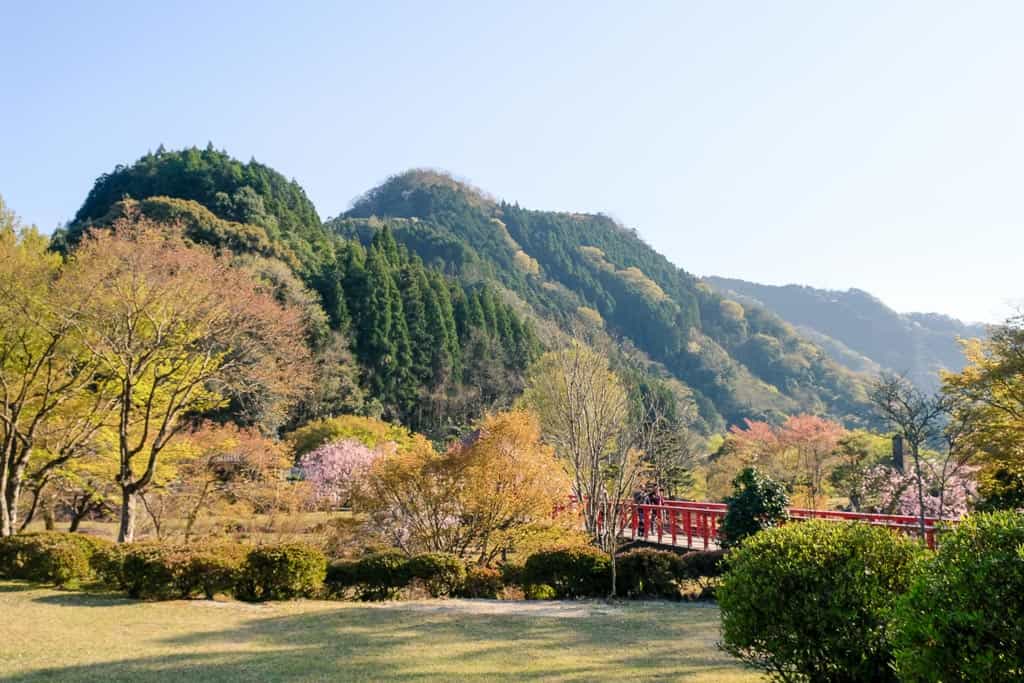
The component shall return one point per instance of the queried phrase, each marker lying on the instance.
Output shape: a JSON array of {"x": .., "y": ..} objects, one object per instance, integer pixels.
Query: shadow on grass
[{"x": 392, "y": 643}]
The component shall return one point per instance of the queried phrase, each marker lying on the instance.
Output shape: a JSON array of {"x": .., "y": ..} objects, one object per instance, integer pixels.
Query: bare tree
[
  {"x": 585, "y": 414},
  {"x": 919, "y": 418}
]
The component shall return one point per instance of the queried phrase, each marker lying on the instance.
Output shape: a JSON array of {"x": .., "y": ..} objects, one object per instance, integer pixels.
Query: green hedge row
[{"x": 850, "y": 602}]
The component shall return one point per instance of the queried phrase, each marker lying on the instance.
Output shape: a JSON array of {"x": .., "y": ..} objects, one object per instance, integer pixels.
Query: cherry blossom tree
[{"x": 336, "y": 470}]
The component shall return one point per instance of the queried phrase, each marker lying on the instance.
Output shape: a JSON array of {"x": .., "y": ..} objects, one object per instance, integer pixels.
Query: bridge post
[
  {"x": 672, "y": 520},
  {"x": 688, "y": 521}
]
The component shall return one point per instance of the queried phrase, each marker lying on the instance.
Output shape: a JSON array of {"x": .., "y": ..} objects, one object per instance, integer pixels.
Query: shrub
[
  {"x": 443, "y": 574},
  {"x": 380, "y": 575},
  {"x": 811, "y": 600},
  {"x": 150, "y": 571},
  {"x": 540, "y": 591},
  {"x": 212, "y": 568},
  {"x": 482, "y": 582},
  {"x": 648, "y": 573},
  {"x": 963, "y": 617},
  {"x": 757, "y": 503},
  {"x": 512, "y": 573},
  {"x": 341, "y": 576},
  {"x": 572, "y": 572},
  {"x": 281, "y": 572},
  {"x": 107, "y": 565},
  {"x": 699, "y": 565},
  {"x": 49, "y": 557}
]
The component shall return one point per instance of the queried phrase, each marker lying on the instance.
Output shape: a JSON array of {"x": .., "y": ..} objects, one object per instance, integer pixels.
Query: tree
[
  {"x": 337, "y": 470},
  {"x": 585, "y": 414},
  {"x": 175, "y": 331},
  {"x": 918, "y": 418},
  {"x": 988, "y": 395},
  {"x": 757, "y": 503},
  {"x": 813, "y": 441},
  {"x": 47, "y": 412}
]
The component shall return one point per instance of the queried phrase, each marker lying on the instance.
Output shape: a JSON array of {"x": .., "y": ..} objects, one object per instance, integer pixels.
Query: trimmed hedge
[
  {"x": 281, "y": 572},
  {"x": 572, "y": 572},
  {"x": 645, "y": 572},
  {"x": 482, "y": 582},
  {"x": 50, "y": 557},
  {"x": 702, "y": 564},
  {"x": 963, "y": 617},
  {"x": 811, "y": 601},
  {"x": 441, "y": 573}
]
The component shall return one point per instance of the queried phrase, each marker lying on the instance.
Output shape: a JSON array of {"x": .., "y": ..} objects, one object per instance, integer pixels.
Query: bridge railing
[{"x": 675, "y": 521}]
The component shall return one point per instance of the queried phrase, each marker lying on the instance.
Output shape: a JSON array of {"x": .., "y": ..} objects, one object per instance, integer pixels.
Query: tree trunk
[
  {"x": 6, "y": 526},
  {"x": 126, "y": 531},
  {"x": 611, "y": 595},
  {"x": 920, "y": 492},
  {"x": 47, "y": 511}
]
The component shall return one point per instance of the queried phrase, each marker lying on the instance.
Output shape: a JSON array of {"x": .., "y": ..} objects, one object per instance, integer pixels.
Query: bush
[
  {"x": 281, "y": 572},
  {"x": 579, "y": 571},
  {"x": 107, "y": 565},
  {"x": 963, "y": 617},
  {"x": 757, "y": 503},
  {"x": 341, "y": 576},
  {"x": 811, "y": 600},
  {"x": 380, "y": 575},
  {"x": 700, "y": 565},
  {"x": 482, "y": 582},
  {"x": 150, "y": 571},
  {"x": 212, "y": 568},
  {"x": 512, "y": 573},
  {"x": 442, "y": 573},
  {"x": 648, "y": 573},
  {"x": 540, "y": 591},
  {"x": 49, "y": 557}
]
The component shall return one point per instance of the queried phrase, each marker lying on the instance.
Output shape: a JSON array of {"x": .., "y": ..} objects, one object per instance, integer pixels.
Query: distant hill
[
  {"x": 580, "y": 269},
  {"x": 861, "y": 332}
]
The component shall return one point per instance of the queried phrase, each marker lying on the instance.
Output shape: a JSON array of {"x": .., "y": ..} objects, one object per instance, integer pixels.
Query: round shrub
[
  {"x": 482, "y": 582},
  {"x": 49, "y": 557},
  {"x": 380, "y": 575},
  {"x": 281, "y": 572},
  {"x": 699, "y": 565},
  {"x": 107, "y": 565},
  {"x": 963, "y": 617},
  {"x": 578, "y": 571},
  {"x": 811, "y": 600},
  {"x": 151, "y": 571},
  {"x": 212, "y": 568},
  {"x": 645, "y": 572},
  {"x": 443, "y": 574},
  {"x": 540, "y": 591},
  {"x": 342, "y": 575},
  {"x": 757, "y": 502},
  {"x": 511, "y": 573}
]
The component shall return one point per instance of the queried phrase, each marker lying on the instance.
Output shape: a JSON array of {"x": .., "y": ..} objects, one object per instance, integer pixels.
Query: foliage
[
  {"x": 336, "y": 470},
  {"x": 963, "y": 616},
  {"x": 890, "y": 491},
  {"x": 573, "y": 572},
  {"x": 489, "y": 493},
  {"x": 442, "y": 574},
  {"x": 49, "y": 557},
  {"x": 540, "y": 591},
  {"x": 699, "y": 565},
  {"x": 649, "y": 573},
  {"x": 586, "y": 415},
  {"x": 810, "y": 601},
  {"x": 371, "y": 432},
  {"x": 378, "y": 576},
  {"x": 757, "y": 503},
  {"x": 482, "y": 582},
  {"x": 281, "y": 572},
  {"x": 175, "y": 330}
]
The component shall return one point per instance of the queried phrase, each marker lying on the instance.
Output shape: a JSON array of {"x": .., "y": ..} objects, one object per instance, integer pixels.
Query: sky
[{"x": 876, "y": 145}]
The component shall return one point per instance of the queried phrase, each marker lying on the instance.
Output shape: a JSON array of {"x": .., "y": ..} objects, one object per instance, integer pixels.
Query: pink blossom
[
  {"x": 335, "y": 470},
  {"x": 890, "y": 491}
]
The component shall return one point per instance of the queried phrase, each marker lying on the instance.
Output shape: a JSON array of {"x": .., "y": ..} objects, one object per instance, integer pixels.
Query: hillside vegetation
[{"x": 861, "y": 332}]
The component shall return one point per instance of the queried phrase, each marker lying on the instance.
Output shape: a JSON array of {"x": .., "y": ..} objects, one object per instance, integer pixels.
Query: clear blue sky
[{"x": 877, "y": 145}]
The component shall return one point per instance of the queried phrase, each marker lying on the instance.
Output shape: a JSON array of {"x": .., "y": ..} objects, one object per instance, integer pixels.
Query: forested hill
[
  {"x": 587, "y": 270},
  {"x": 860, "y": 331},
  {"x": 428, "y": 300}
]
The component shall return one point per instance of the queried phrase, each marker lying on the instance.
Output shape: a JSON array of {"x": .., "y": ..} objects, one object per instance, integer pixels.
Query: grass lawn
[{"x": 54, "y": 635}]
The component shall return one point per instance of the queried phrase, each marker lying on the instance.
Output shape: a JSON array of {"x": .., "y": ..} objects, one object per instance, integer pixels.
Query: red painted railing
[{"x": 683, "y": 520}]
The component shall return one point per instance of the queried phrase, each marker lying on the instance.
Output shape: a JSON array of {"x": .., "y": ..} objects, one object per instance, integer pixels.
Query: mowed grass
[{"x": 54, "y": 635}]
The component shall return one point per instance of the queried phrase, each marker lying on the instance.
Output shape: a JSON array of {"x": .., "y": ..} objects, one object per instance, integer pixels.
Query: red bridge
[{"x": 694, "y": 525}]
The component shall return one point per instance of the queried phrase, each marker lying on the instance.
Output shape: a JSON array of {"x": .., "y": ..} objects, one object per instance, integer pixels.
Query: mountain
[
  {"x": 861, "y": 332},
  {"x": 586, "y": 271}
]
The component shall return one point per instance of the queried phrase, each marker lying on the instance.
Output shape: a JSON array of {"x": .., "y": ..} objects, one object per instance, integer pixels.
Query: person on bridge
[{"x": 656, "y": 498}]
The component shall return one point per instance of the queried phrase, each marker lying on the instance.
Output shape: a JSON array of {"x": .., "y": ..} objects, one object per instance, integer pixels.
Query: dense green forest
[
  {"x": 860, "y": 331},
  {"x": 428, "y": 299}
]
